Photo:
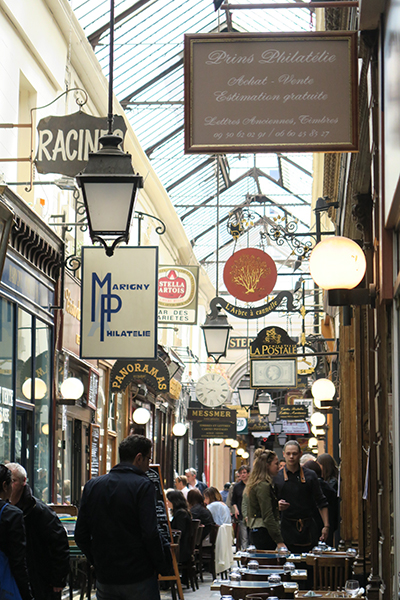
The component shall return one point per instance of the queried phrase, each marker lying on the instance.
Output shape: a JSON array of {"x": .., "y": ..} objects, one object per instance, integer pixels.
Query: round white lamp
[
  {"x": 217, "y": 441},
  {"x": 229, "y": 442},
  {"x": 312, "y": 442},
  {"x": 235, "y": 444},
  {"x": 40, "y": 389},
  {"x": 240, "y": 451},
  {"x": 141, "y": 415},
  {"x": 245, "y": 455},
  {"x": 337, "y": 263},
  {"x": 72, "y": 388},
  {"x": 179, "y": 429},
  {"x": 315, "y": 431},
  {"x": 323, "y": 389},
  {"x": 318, "y": 419}
]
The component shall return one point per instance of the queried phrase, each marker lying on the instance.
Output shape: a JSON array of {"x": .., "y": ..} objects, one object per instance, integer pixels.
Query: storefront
[{"x": 27, "y": 295}]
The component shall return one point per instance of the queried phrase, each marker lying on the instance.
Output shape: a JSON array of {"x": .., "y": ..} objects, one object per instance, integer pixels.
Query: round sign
[{"x": 250, "y": 274}]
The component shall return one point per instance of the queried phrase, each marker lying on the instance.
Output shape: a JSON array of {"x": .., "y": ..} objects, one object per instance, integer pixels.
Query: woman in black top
[
  {"x": 12, "y": 535},
  {"x": 181, "y": 520},
  {"x": 199, "y": 511}
]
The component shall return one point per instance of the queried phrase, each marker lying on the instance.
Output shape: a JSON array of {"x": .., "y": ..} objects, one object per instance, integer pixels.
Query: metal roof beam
[
  {"x": 190, "y": 173},
  {"x": 294, "y": 164},
  {"x": 94, "y": 37},
  {"x": 125, "y": 101},
  {"x": 159, "y": 143}
]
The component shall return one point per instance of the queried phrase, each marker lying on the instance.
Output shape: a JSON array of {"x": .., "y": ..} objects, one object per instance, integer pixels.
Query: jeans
[
  {"x": 142, "y": 590},
  {"x": 243, "y": 535}
]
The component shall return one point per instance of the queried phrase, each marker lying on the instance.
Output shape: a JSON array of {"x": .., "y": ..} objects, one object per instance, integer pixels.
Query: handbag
[{"x": 8, "y": 587}]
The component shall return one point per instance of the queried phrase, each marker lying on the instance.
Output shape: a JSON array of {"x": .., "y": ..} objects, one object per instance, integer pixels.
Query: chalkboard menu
[
  {"x": 93, "y": 389},
  {"x": 154, "y": 473},
  {"x": 94, "y": 450}
]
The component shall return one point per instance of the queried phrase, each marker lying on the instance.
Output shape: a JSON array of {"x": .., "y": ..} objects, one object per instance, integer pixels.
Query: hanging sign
[
  {"x": 255, "y": 312},
  {"x": 211, "y": 423},
  {"x": 250, "y": 274},
  {"x": 154, "y": 373},
  {"x": 119, "y": 303},
  {"x": 257, "y": 422},
  {"x": 177, "y": 294},
  {"x": 292, "y": 412},
  {"x": 65, "y": 142},
  {"x": 272, "y": 92},
  {"x": 268, "y": 367}
]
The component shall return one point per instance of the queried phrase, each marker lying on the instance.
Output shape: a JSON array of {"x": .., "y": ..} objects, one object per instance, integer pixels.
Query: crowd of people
[{"x": 277, "y": 504}]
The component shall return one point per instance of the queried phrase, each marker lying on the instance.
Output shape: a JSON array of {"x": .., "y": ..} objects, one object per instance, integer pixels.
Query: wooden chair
[
  {"x": 330, "y": 572},
  {"x": 197, "y": 552},
  {"x": 208, "y": 552},
  {"x": 188, "y": 568}
]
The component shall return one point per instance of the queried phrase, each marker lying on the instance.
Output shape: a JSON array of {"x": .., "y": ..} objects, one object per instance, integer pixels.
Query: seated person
[
  {"x": 199, "y": 511},
  {"x": 181, "y": 520},
  {"x": 216, "y": 506}
]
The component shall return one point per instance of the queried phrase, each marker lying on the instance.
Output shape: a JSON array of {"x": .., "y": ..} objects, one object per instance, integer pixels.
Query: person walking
[
  {"x": 298, "y": 493},
  {"x": 237, "y": 495},
  {"x": 262, "y": 503},
  {"x": 117, "y": 529},
  {"x": 47, "y": 547},
  {"x": 12, "y": 535}
]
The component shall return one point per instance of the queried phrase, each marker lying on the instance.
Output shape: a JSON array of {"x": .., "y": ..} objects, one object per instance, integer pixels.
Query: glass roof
[{"x": 148, "y": 82}]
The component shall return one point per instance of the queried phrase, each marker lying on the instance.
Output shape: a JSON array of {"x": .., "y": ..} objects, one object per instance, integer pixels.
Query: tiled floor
[{"x": 203, "y": 593}]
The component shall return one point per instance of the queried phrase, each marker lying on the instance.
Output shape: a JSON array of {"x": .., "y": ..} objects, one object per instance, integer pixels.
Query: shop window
[
  {"x": 111, "y": 457},
  {"x": 6, "y": 386}
]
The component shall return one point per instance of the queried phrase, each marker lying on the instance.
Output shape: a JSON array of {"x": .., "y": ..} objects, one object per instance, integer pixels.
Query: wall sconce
[
  {"x": 234, "y": 444},
  {"x": 318, "y": 419},
  {"x": 141, "y": 415},
  {"x": 179, "y": 429},
  {"x": 316, "y": 431},
  {"x": 246, "y": 394},
  {"x": 312, "y": 442},
  {"x": 229, "y": 442},
  {"x": 245, "y": 455},
  {"x": 217, "y": 441},
  {"x": 323, "y": 390},
  {"x": 72, "y": 388},
  {"x": 338, "y": 265},
  {"x": 40, "y": 389},
  {"x": 240, "y": 451}
]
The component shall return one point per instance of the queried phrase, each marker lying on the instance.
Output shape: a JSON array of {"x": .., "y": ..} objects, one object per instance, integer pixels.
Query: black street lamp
[
  {"x": 264, "y": 403},
  {"x": 108, "y": 182},
  {"x": 216, "y": 334},
  {"x": 246, "y": 394}
]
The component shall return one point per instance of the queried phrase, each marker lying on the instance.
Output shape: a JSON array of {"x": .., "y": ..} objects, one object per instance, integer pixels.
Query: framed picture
[{"x": 273, "y": 373}]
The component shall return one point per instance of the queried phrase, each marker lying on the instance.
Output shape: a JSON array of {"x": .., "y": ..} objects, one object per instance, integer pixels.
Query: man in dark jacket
[
  {"x": 117, "y": 526},
  {"x": 46, "y": 539},
  {"x": 193, "y": 482}
]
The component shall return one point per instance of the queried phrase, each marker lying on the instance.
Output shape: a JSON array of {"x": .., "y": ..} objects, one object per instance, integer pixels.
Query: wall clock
[
  {"x": 212, "y": 390},
  {"x": 306, "y": 365}
]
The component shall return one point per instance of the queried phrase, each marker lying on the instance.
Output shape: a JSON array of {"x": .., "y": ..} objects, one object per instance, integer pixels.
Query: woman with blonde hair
[{"x": 262, "y": 502}]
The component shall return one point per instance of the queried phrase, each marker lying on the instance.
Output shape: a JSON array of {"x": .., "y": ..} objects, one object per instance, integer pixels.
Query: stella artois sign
[
  {"x": 250, "y": 275},
  {"x": 177, "y": 294}
]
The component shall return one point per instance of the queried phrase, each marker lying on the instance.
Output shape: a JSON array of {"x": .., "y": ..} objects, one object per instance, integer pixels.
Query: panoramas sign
[
  {"x": 153, "y": 373},
  {"x": 177, "y": 294},
  {"x": 280, "y": 92},
  {"x": 119, "y": 303},
  {"x": 65, "y": 142},
  {"x": 250, "y": 274}
]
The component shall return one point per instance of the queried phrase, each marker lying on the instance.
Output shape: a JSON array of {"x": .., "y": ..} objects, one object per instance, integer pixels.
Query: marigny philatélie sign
[{"x": 119, "y": 303}]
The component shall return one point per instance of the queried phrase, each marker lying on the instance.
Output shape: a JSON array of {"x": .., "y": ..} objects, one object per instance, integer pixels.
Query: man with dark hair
[
  {"x": 299, "y": 492},
  {"x": 237, "y": 496},
  {"x": 47, "y": 549},
  {"x": 117, "y": 527}
]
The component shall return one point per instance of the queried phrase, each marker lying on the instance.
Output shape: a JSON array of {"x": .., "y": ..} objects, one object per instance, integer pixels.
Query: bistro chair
[
  {"x": 208, "y": 552},
  {"x": 188, "y": 569},
  {"x": 197, "y": 552},
  {"x": 330, "y": 572}
]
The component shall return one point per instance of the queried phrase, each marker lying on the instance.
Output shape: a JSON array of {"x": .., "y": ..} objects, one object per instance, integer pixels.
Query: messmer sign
[
  {"x": 177, "y": 294},
  {"x": 119, "y": 303}
]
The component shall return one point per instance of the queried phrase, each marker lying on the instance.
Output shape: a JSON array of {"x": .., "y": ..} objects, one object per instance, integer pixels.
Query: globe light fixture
[
  {"x": 240, "y": 451},
  {"x": 323, "y": 389},
  {"x": 318, "y": 419},
  {"x": 229, "y": 442},
  {"x": 40, "y": 389},
  {"x": 312, "y": 442},
  {"x": 72, "y": 388},
  {"x": 245, "y": 455},
  {"x": 337, "y": 263},
  {"x": 217, "y": 441},
  {"x": 235, "y": 444},
  {"x": 141, "y": 415},
  {"x": 316, "y": 431},
  {"x": 179, "y": 429}
]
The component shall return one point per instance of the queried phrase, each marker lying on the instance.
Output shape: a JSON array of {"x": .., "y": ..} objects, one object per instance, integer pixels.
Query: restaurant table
[
  {"x": 324, "y": 595},
  {"x": 256, "y": 555},
  {"x": 290, "y": 587},
  {"x": 258, "y": 574}
]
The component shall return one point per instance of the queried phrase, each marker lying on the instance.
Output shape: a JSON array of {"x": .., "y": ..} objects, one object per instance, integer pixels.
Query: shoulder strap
[
  {"x": 302, "y": 477},
  {"x": 1, "y": 511}
]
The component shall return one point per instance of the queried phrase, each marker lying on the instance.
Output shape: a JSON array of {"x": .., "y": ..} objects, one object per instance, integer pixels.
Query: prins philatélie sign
[
  {"x": 65, "y": 142},
  {"x": 177, "y": 294},
  {"x": 286, "y": 92}
]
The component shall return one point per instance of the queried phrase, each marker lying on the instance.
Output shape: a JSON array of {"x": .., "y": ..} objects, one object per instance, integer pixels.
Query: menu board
[
  {"x": 94, "y": 450},
  {"x": 154, "y": 473},
  {"x": 287, "y": 92}
]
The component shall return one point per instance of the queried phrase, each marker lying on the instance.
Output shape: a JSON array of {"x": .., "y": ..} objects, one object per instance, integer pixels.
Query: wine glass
[{"x": 352, "y": 587}]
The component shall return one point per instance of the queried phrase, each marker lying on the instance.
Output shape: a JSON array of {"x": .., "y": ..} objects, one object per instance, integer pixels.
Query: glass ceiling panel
[{"x": 148, "y": 82}]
